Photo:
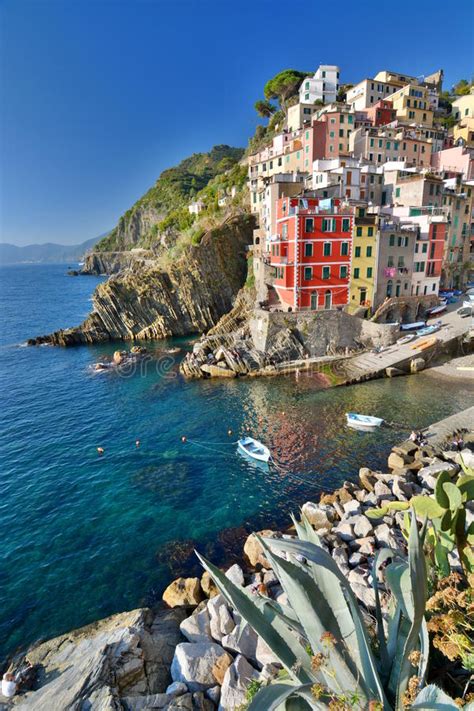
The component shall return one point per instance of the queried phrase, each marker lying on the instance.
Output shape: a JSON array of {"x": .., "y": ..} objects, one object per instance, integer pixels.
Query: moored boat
[
  {"x": 362, "y": 422},
  {"x": 436, "y": 310},
  {"x": 428, "y": 330},
  {"x": 412, "y": 326},
  {"x": 253, "y": 448},
  {"x": 406, "y": 339}
]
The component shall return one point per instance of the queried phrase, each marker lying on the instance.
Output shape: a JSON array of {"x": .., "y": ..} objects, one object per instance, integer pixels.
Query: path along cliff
[{"x": 146, "y": 301}]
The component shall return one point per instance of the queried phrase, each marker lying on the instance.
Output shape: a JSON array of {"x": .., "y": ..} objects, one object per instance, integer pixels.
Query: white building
[
  {"x": 196, "y": 207},
  {"x": 323, "y": 86},
  {"x": 368, "y": 92}
]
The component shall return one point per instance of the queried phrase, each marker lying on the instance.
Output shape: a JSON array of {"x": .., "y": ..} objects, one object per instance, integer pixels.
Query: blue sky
[{"x": 99, "y": 96}]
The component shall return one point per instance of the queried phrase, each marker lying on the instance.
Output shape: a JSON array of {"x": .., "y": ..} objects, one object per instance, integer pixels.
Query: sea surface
[{"x": 82, "y": 535}]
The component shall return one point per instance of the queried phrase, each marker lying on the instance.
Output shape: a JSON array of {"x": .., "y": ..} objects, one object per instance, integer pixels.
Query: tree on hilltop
[
  {"x": 264, "y": 108},
  {"x": 284, "y": 85},
  {"x": 462, "y": 88}
]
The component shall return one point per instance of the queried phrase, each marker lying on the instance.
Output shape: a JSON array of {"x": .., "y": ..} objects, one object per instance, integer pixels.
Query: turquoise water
[{"x": 84, "y": 536}]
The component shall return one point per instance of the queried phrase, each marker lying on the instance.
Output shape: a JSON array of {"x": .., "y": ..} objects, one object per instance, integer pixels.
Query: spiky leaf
[{"x": 433, "y": 698}]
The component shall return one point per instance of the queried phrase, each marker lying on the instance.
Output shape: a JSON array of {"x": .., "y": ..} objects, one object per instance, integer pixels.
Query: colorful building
[
  {"x": 412, "y": 105},
  {"x": 382, "y": 144},
  {"x": 364, "y": 260},
  {"x": 332, "y": 130},
  {"x": 311, "y": 253},
  {"x": 396, "y": 249}
]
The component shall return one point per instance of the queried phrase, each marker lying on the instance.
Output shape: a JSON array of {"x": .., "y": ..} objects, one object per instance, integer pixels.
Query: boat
[
  {"x": 412, "y": 326},
  {"x": 424, "y": 344},
  {"x": 406, "y": 339},
  {"x": 465, "y": 309},
  {"x": 254, "y": 449},
  {"x": 428, "y": 330},
  {"x": 362, "y": 422},
  {"x": 436, "y": 310}
]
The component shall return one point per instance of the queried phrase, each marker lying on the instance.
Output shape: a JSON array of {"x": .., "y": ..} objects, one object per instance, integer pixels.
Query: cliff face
[
  {"x": 147, "y": 302},
  {"x": 115, "y": 262}
]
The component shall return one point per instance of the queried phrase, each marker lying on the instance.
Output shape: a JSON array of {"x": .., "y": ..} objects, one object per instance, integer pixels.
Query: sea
[{"x": 85, "y": 535}]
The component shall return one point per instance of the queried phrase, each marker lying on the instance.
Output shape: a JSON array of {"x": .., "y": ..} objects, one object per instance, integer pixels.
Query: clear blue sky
[{"x": 99, "y": 96}]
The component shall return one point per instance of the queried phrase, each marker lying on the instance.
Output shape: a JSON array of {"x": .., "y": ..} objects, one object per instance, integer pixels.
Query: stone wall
[{"x": 320, "y": 332}]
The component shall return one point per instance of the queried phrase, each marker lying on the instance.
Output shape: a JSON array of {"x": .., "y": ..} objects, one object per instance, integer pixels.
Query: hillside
[
  {"x": 45, "y": 253},
  {"x": 174, "y": 189}
]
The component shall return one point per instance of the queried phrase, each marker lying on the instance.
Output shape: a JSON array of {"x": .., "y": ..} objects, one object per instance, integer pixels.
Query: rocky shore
[{"x": 200, "y": 655}]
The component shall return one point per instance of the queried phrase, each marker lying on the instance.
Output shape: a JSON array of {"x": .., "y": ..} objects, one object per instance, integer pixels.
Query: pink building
[{"x": 454, "y": 161}]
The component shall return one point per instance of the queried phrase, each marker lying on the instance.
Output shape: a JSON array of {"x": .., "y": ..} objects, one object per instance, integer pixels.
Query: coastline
[{"x": 155, "y": 664}]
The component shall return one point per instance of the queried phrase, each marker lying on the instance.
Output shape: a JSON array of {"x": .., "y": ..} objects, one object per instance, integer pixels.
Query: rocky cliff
[
  {"x": 147, "y": 301},
  {"x": 114, "y": 262}
]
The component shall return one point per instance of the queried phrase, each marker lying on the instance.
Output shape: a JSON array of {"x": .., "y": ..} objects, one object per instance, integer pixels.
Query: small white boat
[
  {"x": 254, "y": 449},
  {"x": 362, "y": 422},
  {"x": 412, "y": 326},
  {"x": 436, "y": 310},
  {"x": 406, "y": 339}
]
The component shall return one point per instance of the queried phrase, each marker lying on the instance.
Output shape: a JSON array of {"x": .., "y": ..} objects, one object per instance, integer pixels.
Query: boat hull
[
  {"x": 363, "y": 422},
  {"x": 260, "y": 456}
]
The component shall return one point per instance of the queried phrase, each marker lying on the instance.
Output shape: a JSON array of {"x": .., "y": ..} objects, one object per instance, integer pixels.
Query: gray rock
[
  {"x": 242, "y": 640},
  {"x": 352, "y": 507},
  {"x": 344, "y": 531},
  {"x": 365, "y": 594},
  {"x": 220, "y": 617},
  {"x": 417, "y": 365},
  {"x": 214, "y": 694},
  {"x": 235, "y": 574},
  {"x": 197, "y": 627},
  {"x": 339, "y": 555},
  {"x": 316, "y": 515},
  {"x": 365, "y": 545},
  {"x": 428, "y": 475},
  {"x": 200, "y": 665},
  {"x": 177, "y": 688},
  {"x": 201, "y": 702},
  {"x": 358, "y": 576},
  {"x": 356, "y": 559},
  {"x": 381, "y": 490},
  {"x": 236, "y": 680},
  {"x": 362, "y": 527},
  {"x": 384, "y": 535}
]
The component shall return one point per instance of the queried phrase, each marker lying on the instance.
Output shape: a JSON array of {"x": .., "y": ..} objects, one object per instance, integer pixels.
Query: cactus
[
  {"x": 323, "y": 616},
  {"x": 446, "y": 509}
]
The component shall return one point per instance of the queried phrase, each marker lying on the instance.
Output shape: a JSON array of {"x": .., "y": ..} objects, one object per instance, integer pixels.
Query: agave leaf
[
  {"x": 454, "y": 495},
  {"x": 466, "y": 486},
  {"x": 285, "y": 614},
  {"x": 440, "y": 495},
  {"x": 417, "y": 568},
  {"x": 434, "y": 699},
  {"x": 360, "y": 648},
  {"x": 269, "y": 698},
  {"x": 268, "y": 626},
  {"x": 427, "y": 506},
  {"x": 385, "y": 662},
  {"x": 303, "y": 701},
  {"x": 316, "y": 617},
  {"x": 299, "y": 528},
  {"x": 311, "y": 534}
]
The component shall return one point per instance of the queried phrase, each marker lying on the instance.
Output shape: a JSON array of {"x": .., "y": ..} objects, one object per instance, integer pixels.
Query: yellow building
[
  {"x": 394, "y": 78},
  {"x": 464, "y": 130},
  {"x": 363, "y": 261},
  {"x": 412, "y": 105},
  {"x": 463, "y": 107}
]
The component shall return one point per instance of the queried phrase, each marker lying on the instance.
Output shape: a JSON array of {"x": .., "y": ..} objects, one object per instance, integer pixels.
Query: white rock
[
  {"x": 197, "y": 627},
  {"x": 236, "y": 681},
  {"x": 345, "y": 531},
  {"x": 243, "y": 640},
  {"x": 220, "y": 617},
  {"x": 363, "y": 527},
  {"x": 200, "y": 665},
  {"x": 214, "y": 694},
  {"x": 316, "y": 515},
  {"x": 381, "y": 489},
  {"x": 235, "y": 574},
  {"x": 339, "y": 554},
  {"x": 383, "y": 534},
  {"x": 352, "y": 507}
]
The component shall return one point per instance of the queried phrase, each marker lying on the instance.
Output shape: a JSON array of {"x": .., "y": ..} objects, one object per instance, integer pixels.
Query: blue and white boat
[
  {"x": 412, "y": 326},
  {"x": 254, "y": 448},
  {"x": 362, "y": 422},
  {"x": 429, "y": 330}
]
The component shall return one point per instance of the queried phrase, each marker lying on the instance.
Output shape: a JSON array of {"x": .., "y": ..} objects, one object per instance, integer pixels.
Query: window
[
  {"x": 279, "y": 161},
  {"x": 341, "y": 118},
  {"x": 359, "y": 231},
  {"x": 356, "y": 273},
  {"x": 388, "y": 145},
  {"x": 424, "y": 248},
  {"x": 341, "y": 133},
  {"x": 346, "y": 224},
  {"x": 357, "y": 252},
  {"x": 344, "y": 249},
  {"x": 341, "y": 147},
  {"x": 308, "y": 249},
  {"x": 370, "y": 231},
  {"x": 397, "y": 192},
  {"x": 380, "y": 143},
  {"x": 343, "y": 272},
  {"x": 379, "y": 158},
  {"x": 349, "y": 119},
  {"x": 401, "y": 262},
  {"x": 331, "y": 134},
  {"x": 327, "y": 249},
  {"x": 400, "y": 241},
  {"x": 369, "y": 272},
  {"x": 326, "y": 272},
  {"x": 284, "y": 231},
  {"x": 371, "y": 142},
  {"x": 368, "y": 252},
  {"x": 325, "y": 225},
  {"x": 306, "y": 86},
  {"x": 395, "y": 145},
  {"x": 309, "y": 224},
  {"x": 306, "y": 97},
  {"x": 297, "y": 155},
  {"x": 308, "y": 273}
]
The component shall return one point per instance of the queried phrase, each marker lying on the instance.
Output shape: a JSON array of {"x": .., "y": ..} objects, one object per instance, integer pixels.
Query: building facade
[
  {"x": 323, "y": 86},
  {"x": 364, "y": 260}
]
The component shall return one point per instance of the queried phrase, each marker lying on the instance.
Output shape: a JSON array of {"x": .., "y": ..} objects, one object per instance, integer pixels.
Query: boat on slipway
[
  {"x": 253, "y": 448},
  {"x": 412, "y": 326},
  {"x": 429, "y": 330},
  {"x": 362, "y": 422}
]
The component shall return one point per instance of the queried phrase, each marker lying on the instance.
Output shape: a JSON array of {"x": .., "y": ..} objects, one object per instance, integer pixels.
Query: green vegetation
[
  {"x": 347, "y": 669},
  {"x": 250, "y": 281},
  {"x": 170, "y": 195},
  {"x": 264, "y": 108},
  {"x": 284, "y": 85},
  {"x": 463, "y": 87}
]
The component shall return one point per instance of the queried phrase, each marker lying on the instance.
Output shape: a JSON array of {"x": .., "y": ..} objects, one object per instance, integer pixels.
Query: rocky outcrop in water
[{"x": 146, "y": 302}]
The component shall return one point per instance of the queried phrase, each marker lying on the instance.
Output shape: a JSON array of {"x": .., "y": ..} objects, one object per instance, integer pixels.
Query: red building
[
  {"x": 381, "y": 113},
  {"x": 312, "y": 252}
]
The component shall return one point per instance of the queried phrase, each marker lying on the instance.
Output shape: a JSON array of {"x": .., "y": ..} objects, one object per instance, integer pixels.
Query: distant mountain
[{"x": 48, "y": 252}]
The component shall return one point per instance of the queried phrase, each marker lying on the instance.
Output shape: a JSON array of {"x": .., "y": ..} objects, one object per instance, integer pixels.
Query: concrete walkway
[
  {"x": 439, "y": 431},
  {"x": 369, "y": 364}
]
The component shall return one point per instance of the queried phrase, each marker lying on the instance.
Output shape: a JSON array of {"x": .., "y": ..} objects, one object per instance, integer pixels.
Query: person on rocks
[
  {"x": 23, "y": 680},
  {"x": 9, "y": 685}
]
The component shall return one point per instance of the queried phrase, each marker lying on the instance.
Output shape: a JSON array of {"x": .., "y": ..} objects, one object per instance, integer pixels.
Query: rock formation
[{"x": 147, "y": 302}]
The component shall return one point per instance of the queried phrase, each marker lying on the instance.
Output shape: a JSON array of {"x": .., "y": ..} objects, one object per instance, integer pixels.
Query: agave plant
[
  {"x": 447, "y": 509},
  {"x": 320, "y": 636}
]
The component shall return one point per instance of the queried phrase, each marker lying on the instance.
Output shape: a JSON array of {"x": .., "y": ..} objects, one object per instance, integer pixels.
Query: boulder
[
  {"x": 363, "y": 527},
  {"x": 367, "y": 478},
  {"x": 200, "y": 665},
  {"x": 344, "y": 495},
  {"x": 417, "y": 365},
  {"x": 392, "y": 372},
  {"x": 221, "y": 620},
  {"x": 236, "y": 575},
  {"x": 339, "y": 554},
  {"x": 214, "y": 694},
  {"x": 384, "y": 535},
  {"x": 242, "y": 640},
  {"x": 208, "y": 586},
  {"x": 428, "y": 475},
  {"x": 381, "y": 490},
  {"x": 316, "y": 515},
  {"x": 236, "y": 680},
  {"x": 253, "y": 551},
  {"x": 183, "y": 591},
  {"x": 218, "y": 371},
  {"x": 396, "y": 460},
  {"x": 197, "y": 627},
  {"x": 344, "y": 531},
  {"x": 177, "y": 688},
  {"x": 352, "y": 507},
  {"x": 365, "y": 545},
  {"x": 201, "y": 702}
]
